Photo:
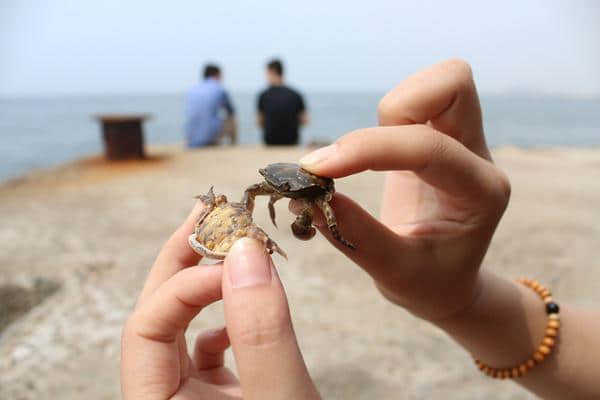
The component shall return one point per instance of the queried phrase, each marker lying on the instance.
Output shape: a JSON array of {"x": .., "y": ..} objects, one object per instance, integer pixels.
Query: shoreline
[{"x": 155, "y": 152}]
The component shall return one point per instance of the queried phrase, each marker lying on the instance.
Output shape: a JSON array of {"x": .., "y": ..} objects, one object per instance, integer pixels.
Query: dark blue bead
[{"x": 552, "y": 308}]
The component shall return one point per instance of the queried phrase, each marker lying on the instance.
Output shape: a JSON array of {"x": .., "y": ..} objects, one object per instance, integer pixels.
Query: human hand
[
  {"x": 442, "y": 199},
  {"x": 155, "y": 363}
]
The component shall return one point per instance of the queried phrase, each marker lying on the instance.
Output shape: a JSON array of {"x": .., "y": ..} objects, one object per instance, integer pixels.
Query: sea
[{"x": 42, "y": 132}]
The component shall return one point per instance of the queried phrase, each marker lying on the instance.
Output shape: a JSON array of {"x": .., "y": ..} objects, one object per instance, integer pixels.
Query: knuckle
[
  {"x": 460, "y": 68},
  {"x": 502, "y": 189},
  {"x": 462, "y": 74},
  {"x": 386, "y": 110},
  {"x": 129, "y": 328}
]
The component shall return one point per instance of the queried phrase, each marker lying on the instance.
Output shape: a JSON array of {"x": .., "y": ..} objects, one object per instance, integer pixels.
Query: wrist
[
  {"x": 502, "y": 326},
  {"x": 434, "y": 304}
]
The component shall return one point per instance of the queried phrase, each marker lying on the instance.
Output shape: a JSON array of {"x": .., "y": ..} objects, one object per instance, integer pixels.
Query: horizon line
[{"x": 503, "y": 93}]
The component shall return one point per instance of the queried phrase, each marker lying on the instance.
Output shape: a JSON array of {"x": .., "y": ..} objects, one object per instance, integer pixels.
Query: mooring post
[{"x": 123, "y": 135}]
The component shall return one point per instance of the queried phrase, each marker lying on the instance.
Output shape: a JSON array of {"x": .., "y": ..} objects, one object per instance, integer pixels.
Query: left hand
[{"x": 155, "y": 363}]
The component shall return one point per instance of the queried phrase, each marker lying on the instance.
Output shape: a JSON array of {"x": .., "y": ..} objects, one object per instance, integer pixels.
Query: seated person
[
  {"x": 205, "y": 105},
  {"x": 281, "y": 110}
]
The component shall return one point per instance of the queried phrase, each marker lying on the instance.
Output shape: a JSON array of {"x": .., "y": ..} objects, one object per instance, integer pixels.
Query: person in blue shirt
[{"x": 209, "y": 114}]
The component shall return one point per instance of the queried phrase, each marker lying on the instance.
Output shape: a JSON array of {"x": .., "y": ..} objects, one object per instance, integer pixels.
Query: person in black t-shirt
[{"x": 281, "y": 110}]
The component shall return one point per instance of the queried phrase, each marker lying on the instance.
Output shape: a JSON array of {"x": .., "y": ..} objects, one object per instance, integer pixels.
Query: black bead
[{"x": 552, "y": 308}]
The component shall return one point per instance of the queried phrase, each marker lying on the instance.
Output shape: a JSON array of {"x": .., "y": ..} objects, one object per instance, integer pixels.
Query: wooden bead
[
  {"x": 523, "y": 369},
  {"x": 548, "y": 342},
  {"x": 553, "y": 323},
  {"x": 545, "y": 350},
  {"x": 551, "y": 332}
]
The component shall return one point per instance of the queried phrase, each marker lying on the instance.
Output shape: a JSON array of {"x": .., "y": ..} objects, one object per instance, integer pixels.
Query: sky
[{"x": 58, "y": 47}]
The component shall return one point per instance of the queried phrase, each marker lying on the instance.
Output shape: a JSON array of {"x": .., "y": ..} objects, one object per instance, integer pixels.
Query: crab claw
[
  {"x": 272, "y": 246},
  {"x": 208, "y": 198},
  {"x": 303, "y": 232}
]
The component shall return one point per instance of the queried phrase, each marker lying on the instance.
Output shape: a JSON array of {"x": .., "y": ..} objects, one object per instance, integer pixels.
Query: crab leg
[
  {"x": 256, "y": 233},
  {"x": 332, "y": 223},
  {"x": 209, "y": 203},
  {"x": 258, "y": 189},
  {"x": 272, "y": 200}
]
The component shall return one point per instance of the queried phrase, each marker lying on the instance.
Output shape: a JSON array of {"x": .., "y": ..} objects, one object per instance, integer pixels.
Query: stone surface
[{"x": 94, "y": 228}]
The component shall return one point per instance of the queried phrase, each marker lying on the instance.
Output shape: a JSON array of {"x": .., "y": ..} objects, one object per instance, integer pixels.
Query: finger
[
  {"x": 443, "y": 94},
  {"x": 210, "y": 349},
  {"x": 260, "y": 328},
  {"x": 436, "y": 158},
  {"x": 377, "y": 246},
  {"x": 175, "y": 254},
  {"x": 150, "y": 357},
  {"x": 209, "y": 358},
  {"x": 173, "y": 305}
]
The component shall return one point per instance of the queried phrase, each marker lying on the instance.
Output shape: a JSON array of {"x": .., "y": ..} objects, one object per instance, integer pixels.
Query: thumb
[{"x": 258, "y": 322}]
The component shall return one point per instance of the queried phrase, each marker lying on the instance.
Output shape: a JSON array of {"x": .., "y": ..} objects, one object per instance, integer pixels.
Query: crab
[
  {"x": 221, "y": 224},
  {"x": 292, "y": 181}
]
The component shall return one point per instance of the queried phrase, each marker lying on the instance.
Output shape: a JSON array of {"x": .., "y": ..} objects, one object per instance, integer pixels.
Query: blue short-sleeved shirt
[{"x": 204, "y": 105}]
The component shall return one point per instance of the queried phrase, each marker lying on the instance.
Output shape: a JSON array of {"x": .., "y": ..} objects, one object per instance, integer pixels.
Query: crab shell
[
  {"x": 218, "y": 230},
  {"x": 292, "y": 181}
]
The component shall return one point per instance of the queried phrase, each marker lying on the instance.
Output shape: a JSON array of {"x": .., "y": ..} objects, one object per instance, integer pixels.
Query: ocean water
[{"x": 41, "y": 132}]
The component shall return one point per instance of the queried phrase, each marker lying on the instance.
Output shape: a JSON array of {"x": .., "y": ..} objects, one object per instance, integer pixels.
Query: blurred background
[
  {"x": 78, "y": 233},
  {"x": 536, "y": 64}
]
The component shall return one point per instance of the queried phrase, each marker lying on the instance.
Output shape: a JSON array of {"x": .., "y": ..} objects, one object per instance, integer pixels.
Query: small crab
[
  {"x": 290, "y": 180},
  {"x": 221, "y": 224}
]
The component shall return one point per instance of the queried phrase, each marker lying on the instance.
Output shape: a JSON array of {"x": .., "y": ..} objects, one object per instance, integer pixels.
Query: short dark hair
[
  {"x": 211, "y": 70},
  {"x": 275, "y": 66}
]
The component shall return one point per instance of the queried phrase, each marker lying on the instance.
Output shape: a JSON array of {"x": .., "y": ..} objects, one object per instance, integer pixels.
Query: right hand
[{"x": 442, "y": 199}]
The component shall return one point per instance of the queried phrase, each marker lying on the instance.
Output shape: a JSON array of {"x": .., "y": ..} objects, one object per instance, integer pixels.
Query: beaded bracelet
[{"x": 545, "y": 347}]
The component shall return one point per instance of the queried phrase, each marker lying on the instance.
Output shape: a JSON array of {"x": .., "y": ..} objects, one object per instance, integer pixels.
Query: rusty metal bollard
[{"x": 123, "y": 135}]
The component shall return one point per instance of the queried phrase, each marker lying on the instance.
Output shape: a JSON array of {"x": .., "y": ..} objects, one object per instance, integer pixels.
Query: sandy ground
[{"x": 94, "y": 229}]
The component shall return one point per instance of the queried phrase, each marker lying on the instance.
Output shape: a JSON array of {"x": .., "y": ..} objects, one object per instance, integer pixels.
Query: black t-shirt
[{"x": 280, "y": 107}]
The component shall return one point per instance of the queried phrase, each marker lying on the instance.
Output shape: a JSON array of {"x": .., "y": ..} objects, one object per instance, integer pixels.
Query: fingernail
[
  {"x": 248, "y": 264},
  {"x": 318, "y": 155}
]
